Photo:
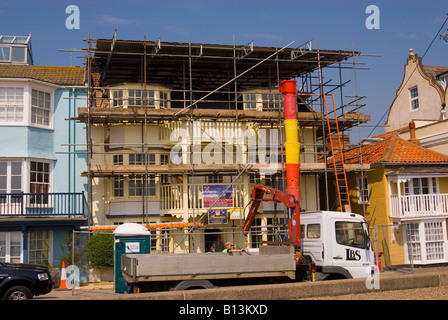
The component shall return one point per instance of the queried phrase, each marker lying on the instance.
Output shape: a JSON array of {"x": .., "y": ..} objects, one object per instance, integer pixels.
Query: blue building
[{"x": 42, "y": 155}]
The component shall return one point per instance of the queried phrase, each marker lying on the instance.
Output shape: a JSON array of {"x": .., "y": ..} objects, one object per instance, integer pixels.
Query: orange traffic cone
[{"x": 63, "y": 284}]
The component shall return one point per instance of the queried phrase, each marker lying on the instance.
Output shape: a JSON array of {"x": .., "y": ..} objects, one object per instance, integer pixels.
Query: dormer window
[
  {"x": 15, "y": 50},
  {"x": 156, "y": 97},
  {"x": 263, "y": 100}
]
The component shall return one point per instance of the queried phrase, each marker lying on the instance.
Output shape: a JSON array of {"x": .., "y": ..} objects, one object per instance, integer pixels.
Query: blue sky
[{"x": 333, "y": 24}]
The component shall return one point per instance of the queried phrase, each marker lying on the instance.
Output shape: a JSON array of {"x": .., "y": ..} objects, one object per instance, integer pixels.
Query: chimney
[{"x": 412, "y": 138}]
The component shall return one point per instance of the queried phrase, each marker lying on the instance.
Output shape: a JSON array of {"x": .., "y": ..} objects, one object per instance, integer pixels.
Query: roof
[
  {"x": 64, "y": 76},
  {"x": 434, "y": 70},
  {"x": 393, "y": 150},
  {"x": 211, "y": 64}
]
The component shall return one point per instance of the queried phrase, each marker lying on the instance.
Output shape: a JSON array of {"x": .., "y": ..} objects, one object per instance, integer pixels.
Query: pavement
[{"x": 398, "y": 279}]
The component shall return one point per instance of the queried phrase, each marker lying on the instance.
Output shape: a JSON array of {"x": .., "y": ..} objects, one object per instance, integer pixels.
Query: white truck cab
[{"x": 338, "y": 243}]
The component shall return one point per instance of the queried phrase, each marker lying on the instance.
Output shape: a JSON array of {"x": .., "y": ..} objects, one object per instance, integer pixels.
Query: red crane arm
[{"x": 257, "y": 196}]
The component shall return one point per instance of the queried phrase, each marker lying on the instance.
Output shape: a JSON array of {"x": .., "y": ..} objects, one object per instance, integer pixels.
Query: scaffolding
[{"x": 207, "y": 83}]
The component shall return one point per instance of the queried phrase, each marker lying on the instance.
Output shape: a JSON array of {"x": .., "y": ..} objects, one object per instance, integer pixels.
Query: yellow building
[{"x": 404, "y": 197}]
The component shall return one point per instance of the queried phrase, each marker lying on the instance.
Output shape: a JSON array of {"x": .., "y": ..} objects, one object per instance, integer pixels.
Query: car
[{"x": 21, "y": 281}]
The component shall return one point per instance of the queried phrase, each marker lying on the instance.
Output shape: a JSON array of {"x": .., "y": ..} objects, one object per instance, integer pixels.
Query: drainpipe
[{"x": 292, "y": 150}]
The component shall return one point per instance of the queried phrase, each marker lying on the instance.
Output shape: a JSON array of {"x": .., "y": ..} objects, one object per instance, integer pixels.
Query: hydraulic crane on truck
[
  {"x": 291, "y": 197},
  {"x": 287, "y": 199}
]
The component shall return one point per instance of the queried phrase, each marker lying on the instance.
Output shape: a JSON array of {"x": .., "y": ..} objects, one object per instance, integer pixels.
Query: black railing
[{"x": 43, "y": 204}]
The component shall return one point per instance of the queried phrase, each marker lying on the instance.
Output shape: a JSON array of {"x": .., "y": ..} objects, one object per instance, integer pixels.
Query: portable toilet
[{"x": 129, "y": 238}]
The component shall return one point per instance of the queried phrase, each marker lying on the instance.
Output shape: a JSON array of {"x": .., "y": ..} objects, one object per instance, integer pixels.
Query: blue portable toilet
[{"x": 129, "y": 238}]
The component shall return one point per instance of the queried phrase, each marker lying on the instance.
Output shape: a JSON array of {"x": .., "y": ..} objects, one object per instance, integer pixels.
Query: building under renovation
[{"x": 179, "y": 133}]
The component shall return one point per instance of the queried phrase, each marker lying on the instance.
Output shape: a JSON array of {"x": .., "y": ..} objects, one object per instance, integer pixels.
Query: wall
[
  {"x": 429, "y": 93},
  {"x": 377, "y": 212},
  {"x": 69, "y": 142}
]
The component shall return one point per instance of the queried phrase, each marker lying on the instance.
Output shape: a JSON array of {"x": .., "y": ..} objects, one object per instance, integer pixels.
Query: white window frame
[
  {"x": 157, "y": 98},
  {"x": 363, "y": 193},
  {"x": 15, "y": 105},
  {"x": 49, "y": 249},
  {"x": 263, "y": 101},
  {"x": 414, "y": 99},
  {"x": 7, "y": 246},
  {"x": 409, "y": 186},
  {"x": 28, "y": 88},
  {"x": 9, "y": 48},
  {"x": 9, "y": 174},
  {"x": 427, "y": 245},
  {"x": 39, "y": 108}
]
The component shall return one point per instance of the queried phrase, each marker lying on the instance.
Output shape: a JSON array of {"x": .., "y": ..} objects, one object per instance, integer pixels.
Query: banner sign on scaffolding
[
  {"x": 217, "y": 216},
  {"x": 212, "y": 194}
]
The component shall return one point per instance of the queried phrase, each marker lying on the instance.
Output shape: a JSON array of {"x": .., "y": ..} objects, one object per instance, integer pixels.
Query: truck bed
[{"x": 195, "y": 266}]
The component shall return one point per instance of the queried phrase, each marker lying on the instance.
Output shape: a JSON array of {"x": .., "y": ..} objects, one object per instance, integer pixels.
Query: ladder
[{"x": 339, "y": 166}]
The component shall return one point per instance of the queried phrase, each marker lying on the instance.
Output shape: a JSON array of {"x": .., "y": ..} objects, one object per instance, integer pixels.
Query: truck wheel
[{"x": 18, "y": 293}]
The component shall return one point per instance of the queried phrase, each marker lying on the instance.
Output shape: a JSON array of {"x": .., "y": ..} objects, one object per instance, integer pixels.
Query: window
[
  {"x": 117, "y": 98},
  {"x": 254, "y": 178},
  {"x": 434, "y": 241},
  {"x": 13, "y": 54},
  {"x": 5, "y": 53},
  {"x": 350, "y": 234},
  {"x": 118, "y": 186},
  {"x": 414, "y": 98},
  {"x": 40, "y": 108},
  {"x": 275, "y": 181},
  {"x": 11, "y": 104},
  {"x": 215, "y": 179},
  {"x": 39, "y": 249},
  {"x": 39, "y": 177},
  {"x": 363, "y": 190},
  {"x": 18, "y": 54},
  {"x": 137, "y": 97},
  {"x": 39, "y": 182},
  {"x": 421, "y": 186},
  {"x": 272, "y": 101},
  {"x": 255, "y": 234},
  {"x": 138, "y": 187},
  {"x": 263, "y": 101},
  {"x": 413, "y": 241},
  {"x": 163, "y": 102},
  {"x": 425, "y": 241},
  {"x": 164, "y": 159},
  {"x": 10, "y": 177},
  {"x": 139, "y": 158},
  {"x": 11, "y": 244},
  {"x": 313, "y": 231},
  {"x": 118, "y": 159},
  {"x": 250, "y": 101},
  {"x": 277, "y": 229}
]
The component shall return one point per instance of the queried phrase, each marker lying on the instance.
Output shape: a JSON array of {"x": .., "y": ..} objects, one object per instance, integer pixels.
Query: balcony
[
  {"x": 173, "y": 198},
  {"x": 419, "y": 206},
  {"x": 43, "y": 205}
]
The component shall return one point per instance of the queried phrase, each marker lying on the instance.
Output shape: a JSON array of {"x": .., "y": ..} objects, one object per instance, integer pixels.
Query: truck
[
  {"x": 336, "y": 245},
  {"x": 21, "y": 281}
]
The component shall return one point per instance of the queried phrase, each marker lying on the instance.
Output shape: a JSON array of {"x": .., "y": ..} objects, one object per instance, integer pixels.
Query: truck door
[{"x": 351, "y": 247}]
